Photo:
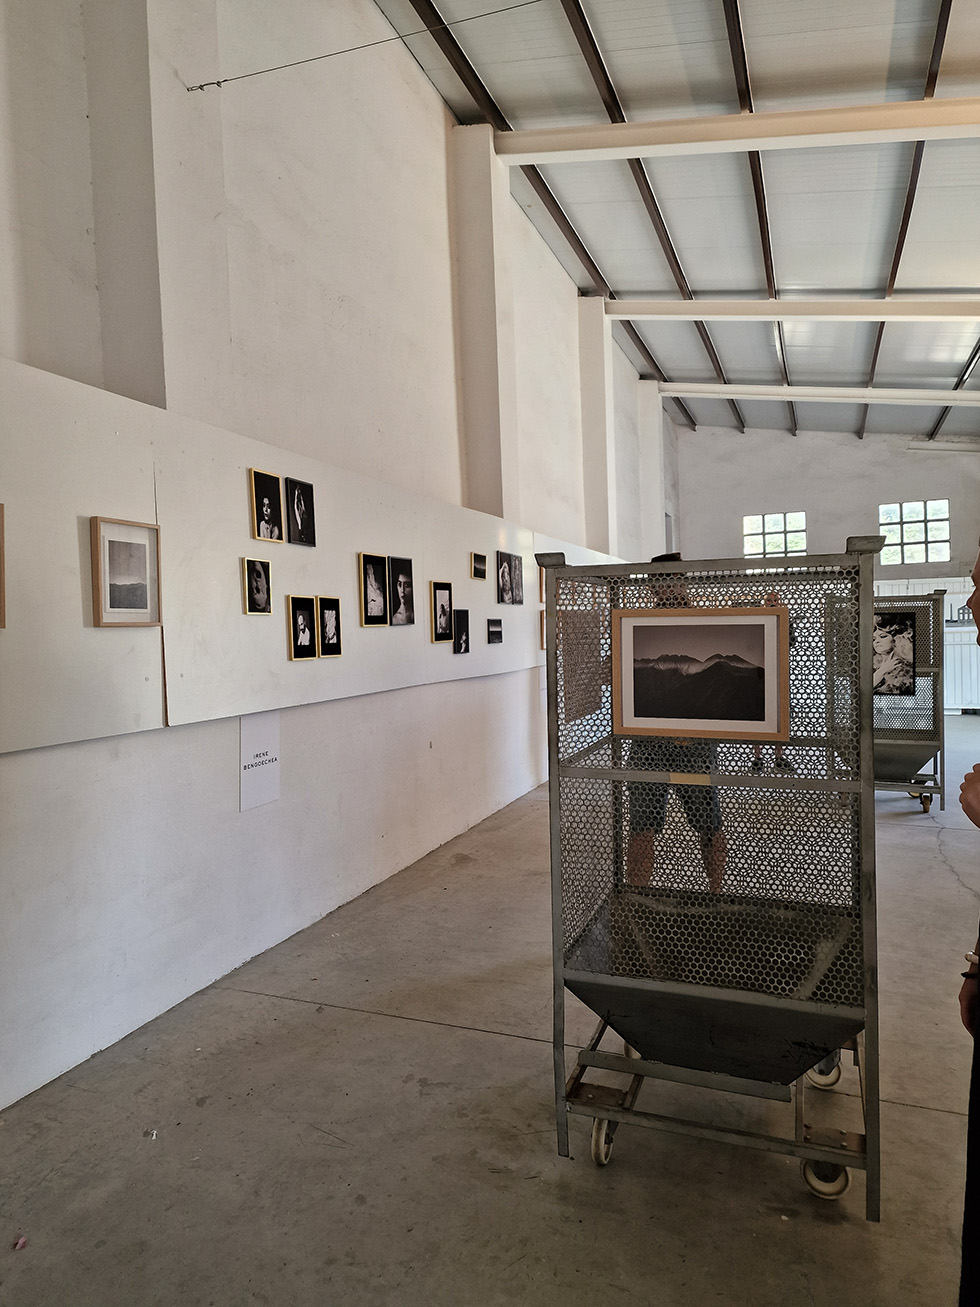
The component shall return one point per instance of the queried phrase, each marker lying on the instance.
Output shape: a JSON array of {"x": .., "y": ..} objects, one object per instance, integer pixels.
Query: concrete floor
[{"x": 364, "y": 1115}]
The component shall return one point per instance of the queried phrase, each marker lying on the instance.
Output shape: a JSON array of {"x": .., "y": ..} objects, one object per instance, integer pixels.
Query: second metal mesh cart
[
  {"x": 909, "y": 728},
  {"x": 743, "y": 959}
]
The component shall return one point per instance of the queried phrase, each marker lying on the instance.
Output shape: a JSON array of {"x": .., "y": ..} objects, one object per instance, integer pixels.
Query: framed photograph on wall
[
  {"x": 256, "y": 586},
  {"x": 302, "y": 626},
  {"x": 478, "y": 567},
  {"x": 442, "y": 612},
  {"x": 495, "y": 630},
  {"x": 893, "y": 652},
  {"x": 266, "y": 494},
  {"x": 300, "y": 525},
  {"x": 544, "y": 628},
  {"x": 372, "y": 570},
  {"x": 401, "y": 592},
  {"x": 461, "y": 630},
  {"x": 3, "y": 596},
  {"x": 517, "y": 577},
  {"x": 125, "y": 572},
  {"x": 328, "y": 627},
  {"x": 714, "y": 673},
  {"x": 510, "y": 578}
]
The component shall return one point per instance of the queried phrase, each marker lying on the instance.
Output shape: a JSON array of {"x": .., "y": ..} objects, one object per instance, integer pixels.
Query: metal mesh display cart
[
  {"x": 743, "y": 959},
  {"x": 909, "y": 728}
]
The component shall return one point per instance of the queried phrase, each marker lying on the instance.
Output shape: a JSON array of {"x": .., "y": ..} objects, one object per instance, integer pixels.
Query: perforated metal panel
[
  {"x": 908, "y": 716},
  {"x": 641, "y": 854}
]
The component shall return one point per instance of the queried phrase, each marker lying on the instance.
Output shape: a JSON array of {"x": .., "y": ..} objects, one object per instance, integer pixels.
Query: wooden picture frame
[
  {"x": 256, "y": 587},
  {"x": 441, "y": 596},
  {"x": 265, "y": 492},
  {"x": 125, "y": 572},
  {"x": 328, "y": 634},
  {"x": 478, "y": 567},
  {"x": 300, "y": 520},
  {"x": 301, "y": 611},
  {"x": 706, "y": 673},
  {"x": 372, "y": 574}
]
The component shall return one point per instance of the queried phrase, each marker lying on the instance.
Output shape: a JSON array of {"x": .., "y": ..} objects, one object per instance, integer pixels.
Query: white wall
[
  {"x": 837, "y": 480},
  {"x": 306, "y": 301}
]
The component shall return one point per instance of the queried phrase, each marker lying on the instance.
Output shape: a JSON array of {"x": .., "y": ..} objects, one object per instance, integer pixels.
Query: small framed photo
[
  {"x": 461, "y": 630},
  {"x": 510, "y": 578},
  {"x": 373, "y": 576},
  {"x": 442, "y": 612},
  {"x": 495, "y": 630},
  {"x": 300, "y": 525},
  {"x": 712, "y": 673},
  {"x": 125, "y": 572},
  {"x": 328, "y": 627},
  {"x": 401, "y": 592},
  {"x": 542, "y": 585},
  {"x": 266, "y": 492},
  {"x": 256, "y": 586},
  {"x": 893, "y": 652},
  {"x": 478, "y": 567},
  {"x": 544, "y": 628},
  {"x": 3, "y": 597},
  {"x": 302, "y": 629}
]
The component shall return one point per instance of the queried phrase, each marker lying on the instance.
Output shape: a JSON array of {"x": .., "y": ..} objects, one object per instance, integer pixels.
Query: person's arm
[{"x": 968, "y": 995}]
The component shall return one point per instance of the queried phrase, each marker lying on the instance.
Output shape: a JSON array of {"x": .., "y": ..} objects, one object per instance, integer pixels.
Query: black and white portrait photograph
[
  {"x": 893, "y": 656},
  {"x": 302, "y": 628},
  {"x": 256, "y": 579},
  {"x": 328, "y": 627},
  {"x": 478, "y": 567},
  {"x": 720, "y": 673},
  {"x": 373, "y": 578},
  {"x": 442, "y": 612},
  {"x": 266, "y": 493},
  {"x": 125, "y": 572},
  {"x": 401, "y": 592},
  {"x": 510, "y": 578},
  {"x": 300, "y": 526},
  {"x": 461, "y": 630},
  {"x": 495, "y": 630}
]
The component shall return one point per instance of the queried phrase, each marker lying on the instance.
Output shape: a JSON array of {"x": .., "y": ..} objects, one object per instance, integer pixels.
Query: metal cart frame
[
  {"x": 909, "y": 734},
  {"x": 622, "y": 1004}
]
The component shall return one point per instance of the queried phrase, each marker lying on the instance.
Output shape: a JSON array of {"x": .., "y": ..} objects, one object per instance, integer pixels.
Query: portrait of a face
[
  {"x": 258, "y": 590},
  {"x": 402, "y": 592}
]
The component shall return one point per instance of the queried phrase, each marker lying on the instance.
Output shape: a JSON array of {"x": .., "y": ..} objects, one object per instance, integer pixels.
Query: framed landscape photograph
[
  {"x": 714, "y": 673},
  {"x": 302, "y": 626},
  {"x": 401, "y": 592},
  {"x": 300, "y": 526},
  {"x": 461, "y": 630},
  {"x": 893, "y": 652},
  {"x": 372, "y": 570},
  {"x": 495, "y": 630},
  {"x": 478, "y": 567},
  {"x": 256, "y": 586},
  {"x": 442, "y": 612},
  {"x": 328, "y": 627},
  {"x": 266, "y": 495},
  {"x": 125, "y": 572}
]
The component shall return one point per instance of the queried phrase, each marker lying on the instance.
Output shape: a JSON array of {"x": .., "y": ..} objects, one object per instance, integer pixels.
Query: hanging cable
[{"x": 352, "y": 49}]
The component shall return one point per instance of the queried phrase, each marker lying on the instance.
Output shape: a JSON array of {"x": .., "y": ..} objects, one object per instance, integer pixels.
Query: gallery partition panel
[{"x": 712, "y": 836}]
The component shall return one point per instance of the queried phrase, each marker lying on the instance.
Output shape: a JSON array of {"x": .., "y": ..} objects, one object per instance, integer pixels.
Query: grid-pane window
[
  {"x": 767, "y": 534},
  {"x": 915, "y": 531}
]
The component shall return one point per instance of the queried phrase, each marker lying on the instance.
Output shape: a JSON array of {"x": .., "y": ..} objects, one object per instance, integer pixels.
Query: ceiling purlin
[
  {"x": 467, "y": 74},
  {"x": 958, "y": 384},
  {"x": 582, "y": 31},
  {"x": 932, "y": 76},
  {"x": 736, "y": 45}
]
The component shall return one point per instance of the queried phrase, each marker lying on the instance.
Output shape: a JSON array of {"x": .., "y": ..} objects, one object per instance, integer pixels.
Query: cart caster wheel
[
  {"x": 825, "y": 1179},
  {"x": 926, "y": 801},
  {"x": 826, "y": 1073},
  {"x": 602, "y": 1141}
]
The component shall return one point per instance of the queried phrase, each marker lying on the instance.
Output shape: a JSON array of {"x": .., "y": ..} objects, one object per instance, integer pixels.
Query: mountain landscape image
[{"x": 724, "y": 686}]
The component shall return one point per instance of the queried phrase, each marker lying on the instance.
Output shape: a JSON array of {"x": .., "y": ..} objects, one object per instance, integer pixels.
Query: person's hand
[
  {"x": 970, "y": 794},
  {"x": 889, "y": 663},
  {"x": 968, "y": 1005}
]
